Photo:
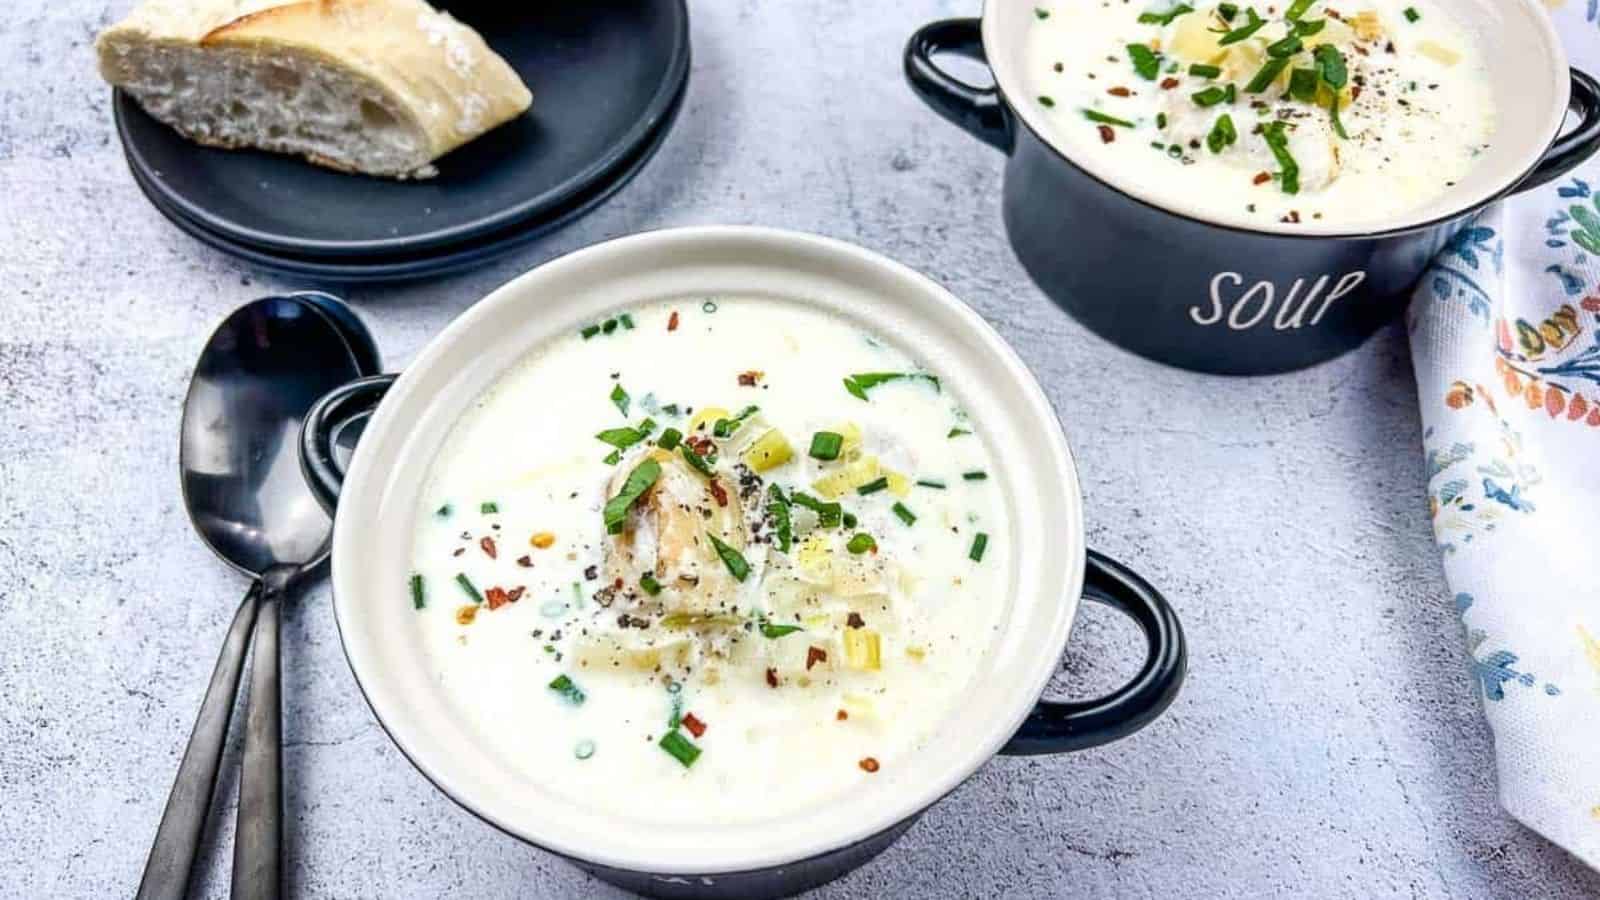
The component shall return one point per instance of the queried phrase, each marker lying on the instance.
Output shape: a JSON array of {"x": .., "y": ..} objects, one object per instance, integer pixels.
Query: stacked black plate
[{"x": 608, "y": 78}]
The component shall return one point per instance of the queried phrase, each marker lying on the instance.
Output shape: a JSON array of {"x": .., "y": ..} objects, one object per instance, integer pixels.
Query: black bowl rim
[{"x": 659, "y": 110}]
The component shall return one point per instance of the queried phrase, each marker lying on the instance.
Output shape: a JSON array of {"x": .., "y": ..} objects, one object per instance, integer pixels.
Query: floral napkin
[{"x": 1505, "y": 334}]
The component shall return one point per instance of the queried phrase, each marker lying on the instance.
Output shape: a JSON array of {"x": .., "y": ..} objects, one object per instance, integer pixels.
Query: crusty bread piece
[{"x": 383, "y": 87}]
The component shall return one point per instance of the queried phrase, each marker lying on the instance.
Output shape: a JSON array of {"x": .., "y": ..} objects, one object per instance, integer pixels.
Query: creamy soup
[
  {"x": 710, "y": 561},
  {"x": 1286, "y": 112}
]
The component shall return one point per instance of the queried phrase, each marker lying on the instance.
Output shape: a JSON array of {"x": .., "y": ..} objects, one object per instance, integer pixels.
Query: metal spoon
[{"x": 260, "y": 372}]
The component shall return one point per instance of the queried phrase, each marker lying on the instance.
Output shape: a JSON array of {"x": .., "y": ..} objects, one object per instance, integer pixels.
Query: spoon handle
[
  {"x": 258, "y": 839},
  {"x": 166, "y": 871}
]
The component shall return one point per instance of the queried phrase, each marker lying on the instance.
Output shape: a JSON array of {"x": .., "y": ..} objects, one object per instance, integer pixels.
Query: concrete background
[{"x": 1328, "y": 742}]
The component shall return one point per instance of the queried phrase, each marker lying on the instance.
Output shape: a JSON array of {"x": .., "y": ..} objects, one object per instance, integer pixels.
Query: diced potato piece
[
  {"x": 1334, "y": 32},
  {"x": 847, "y": 477},
  {"x": 917, "y": 652},
  {"x": 707, "y": 416},
  {"x": 862, "y": 649},
  {"x": 850, "y": 447},
  {"x": 1193, "y": 41},
  {"x": 814, "y": 559},
  {"x": 1367, "y": 25},
  {"x": 1442, "y": 55},
  {"x": 899, "y": 485},
  {"x": 787, "y": 596},
  {"x": 769, "y": 451},
  {"x": 607, "y": 652}
]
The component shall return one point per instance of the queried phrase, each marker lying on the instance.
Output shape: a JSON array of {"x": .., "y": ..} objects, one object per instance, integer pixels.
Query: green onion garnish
[
  {"x": 1165, "y": 18},
  {"x": 1268, "y": 74},
  {"x": 873, "y": 486},
  {"x": 1330, "y": 64},
  {"x": 1201, "y": 70},
  {"x": 584, "y": 749},
  {"x": 1145, "y": 61},
  {"x": 1041, "y": 12},
  {"x": 848, "y": 520},
  {"x": 1047, "y": 101},
  {"x": 1412, "y": 15},
  {"x": 1288, "y": 46},
  {"x": 770, "y": 630},
  {"x": 623, "y": 438},
  {"x": 1102, "y": 118},
  {"x": 568, "y": 689},
  {"x": 469, "y": 587},
  {"x": 1333, "y": 113},
  {"x": 626, "y": 320},
  {"x": 710, "y": 306},
  {"x": 957, "y": 432},
  {"x": 1278, "y": 140},
  {"x": 612, "y": 458},
  {"x": 930, "y": 483},
  {"x": 726, "y": 427},
  {"x": 905, "y": 515},
  {"x": 648, "y": 582},
  {"x": 861, "y": 382},
  {"x": 639, "y": 480},
  {"x": 697, "y": 462},
  {"x": 730, "y": 557},
  {"x": 1303, "y": 85},
  {"x": 577, "y": 594},
  {"x": 980, "y": 542},
  {"x": 778, "y": 512},
  {"x": 975, "y": 475},
  {"x": 826, "y": 445},
  {"x": 829, "y": 515},
  {"x": 1161, "y": 120},
  {"x": 1227, "y": 11},
  {"x": 1254, "y": 24},
  {"x": 669, "y": 439},
  {"x": 1213, "y": 95},
  {"x": 620, "y": 399},
  {"x": 488, "y": 507},
  {"x": 1223, "y": 134},
  {"x": 1308, "y": 27},
  {"x": 1297, "y": 9},
  {"x": 670, "y": 409},
  {"x": 590, "y": 331},
  {"x": 419, "y": 597},
  {"x": 444, "y": 511},
  {"x": 861, "y": 543},
  {"x": 681, "y": 748}
]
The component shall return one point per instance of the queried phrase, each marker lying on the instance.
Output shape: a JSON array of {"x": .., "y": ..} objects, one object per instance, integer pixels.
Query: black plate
[
  {"x": 604, "y": 75},
  {"x": 442, "y": 261}
]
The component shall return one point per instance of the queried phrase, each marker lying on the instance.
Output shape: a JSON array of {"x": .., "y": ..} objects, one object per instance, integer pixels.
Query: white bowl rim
[
  {"x": 384, "y": 438},
  {"x": 1008, "y": 83}
]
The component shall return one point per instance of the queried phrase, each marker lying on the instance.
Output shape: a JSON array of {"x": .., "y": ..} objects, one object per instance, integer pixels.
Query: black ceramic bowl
[{"x": 1215, "y": 296}]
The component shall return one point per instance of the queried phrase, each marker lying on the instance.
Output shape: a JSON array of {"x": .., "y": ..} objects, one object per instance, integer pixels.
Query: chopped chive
[
  {"x": 1308, "y": 27},
  {"x": 726, "y": 427},
  {"x": 469, "y": 587},
  {"x": 670, "y": 409},
  {"x": 980, "y": 542},
  {"x": 848, "y": 520},
  {"x": 620, "y": 399},
  {"x": 1165, "y": 18},
  {"x": 568, "y": 689},
  {"x": 1412, "y": 15},
  {"x": 829, "y": 515},
  {"x": 1253, "y": 24},
  {"x": 905, "y": 515},
  {"x": 769, "y": 630},
  {"x": 612, "y": 458},
  {"x": 1213, "y": 95},
  {"x": 696, "y": 462},
  {"x": 1201, "y": 70},
  {"x": 730, "y": 557},
  {"x": 648, "y": 582},
  {"x": 577, "y": 594},
  {"x": 1303, "y": 85},
  {"x": 1102, "y": 118},
  {"x": 623, "y": 438},
  {"x": 681, "y": 748},
  {"x": 584, "y": 749},
  {"x": 1046, "y": 101},
  {"x": 1175, "y": 151},
  {"x": 1228, "y": 11},
  {"x": 975, "y": 475},
  {"x": 626, "y": 320},
  {"x": 669, "y": 439},
  {"x": 1222, "y": 135},
  {"x": 1145, "y": 61},
  {"x": 1268, "y": 74},
  {"x": 1333, "y": 113},
  {"x": 488, "y": 507},
  {"x": 778, "y": 512},
  {"x": 930, "y": 483},
  {"x": 873, "y": 486},
  {"x": 590, "y": 331},
  {"x": 1297, "y": 9},
  {"x": 710, "y": 306},
  {"x": 1278, "y": 141},
  {"x": 957, "y": 432},
  {"x": 647, "y": 426},
  {"x": 608, "y": 326},
  {"x": 675, "y": 707},
  {"x": 641, "y": 479},
  {"x": 861, "y": 382},
  {"x": 826, "y": 445},
  {"x": 861, "y": 543},
  {"x": 1289, "y": 45},
  {"x": 1041, "y": 12},
  {"x": 444, "y": 511},
  {"x": 419, "y": 597},
  {"x": 1331, "y": 66},
  {"x": 1161, "y": 120}
]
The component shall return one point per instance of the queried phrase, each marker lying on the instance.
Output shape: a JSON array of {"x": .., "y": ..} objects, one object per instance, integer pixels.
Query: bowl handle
[
  {"x": 326, "y": 426},
  {"x": 1576, "y": 145},
  {"x": 1057, "y": 727},
  {"x": 977, "y": 110}
]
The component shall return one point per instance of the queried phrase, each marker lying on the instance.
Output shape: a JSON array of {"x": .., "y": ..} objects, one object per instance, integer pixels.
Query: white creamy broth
[
  {"x": 823, "y": 667},
  {"x": 1194, "y": 119}
]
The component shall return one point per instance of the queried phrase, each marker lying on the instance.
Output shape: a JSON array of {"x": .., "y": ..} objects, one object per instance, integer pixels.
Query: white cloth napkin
[{"x": 1505, "y": 335}]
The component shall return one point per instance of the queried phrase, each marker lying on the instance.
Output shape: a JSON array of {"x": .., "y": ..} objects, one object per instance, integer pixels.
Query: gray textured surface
[{"x": 1327, "y": 744}]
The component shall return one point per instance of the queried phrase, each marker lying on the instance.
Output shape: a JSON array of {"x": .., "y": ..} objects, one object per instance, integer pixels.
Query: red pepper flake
[
  {"x": 749, "y": 379},
  {"x": 841, "y": 715},
  {"x": 1106, "y": 134},
  {"x": 1168, "y": 84},
  {"x": 525, "y": 561},
  {"x": 497, "y": 597},
  {"x": 695, "y": 726},
  {"x": 1119, "y": 92},
  {"x": 672, "y": 321},
  {"x": 719, "y": 492},
  {"x": 815, "y": 655},
  {"x": 869, "y": 764},
  {"x": 772, "y": 677},
  {"x": 1355, "y": 93},
  {"x": 1263, "y": 177},
  {"x": 1293, "y": 218},
  {"x": 854, "y": 620},
  {"x": 488, "y": 546}
]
